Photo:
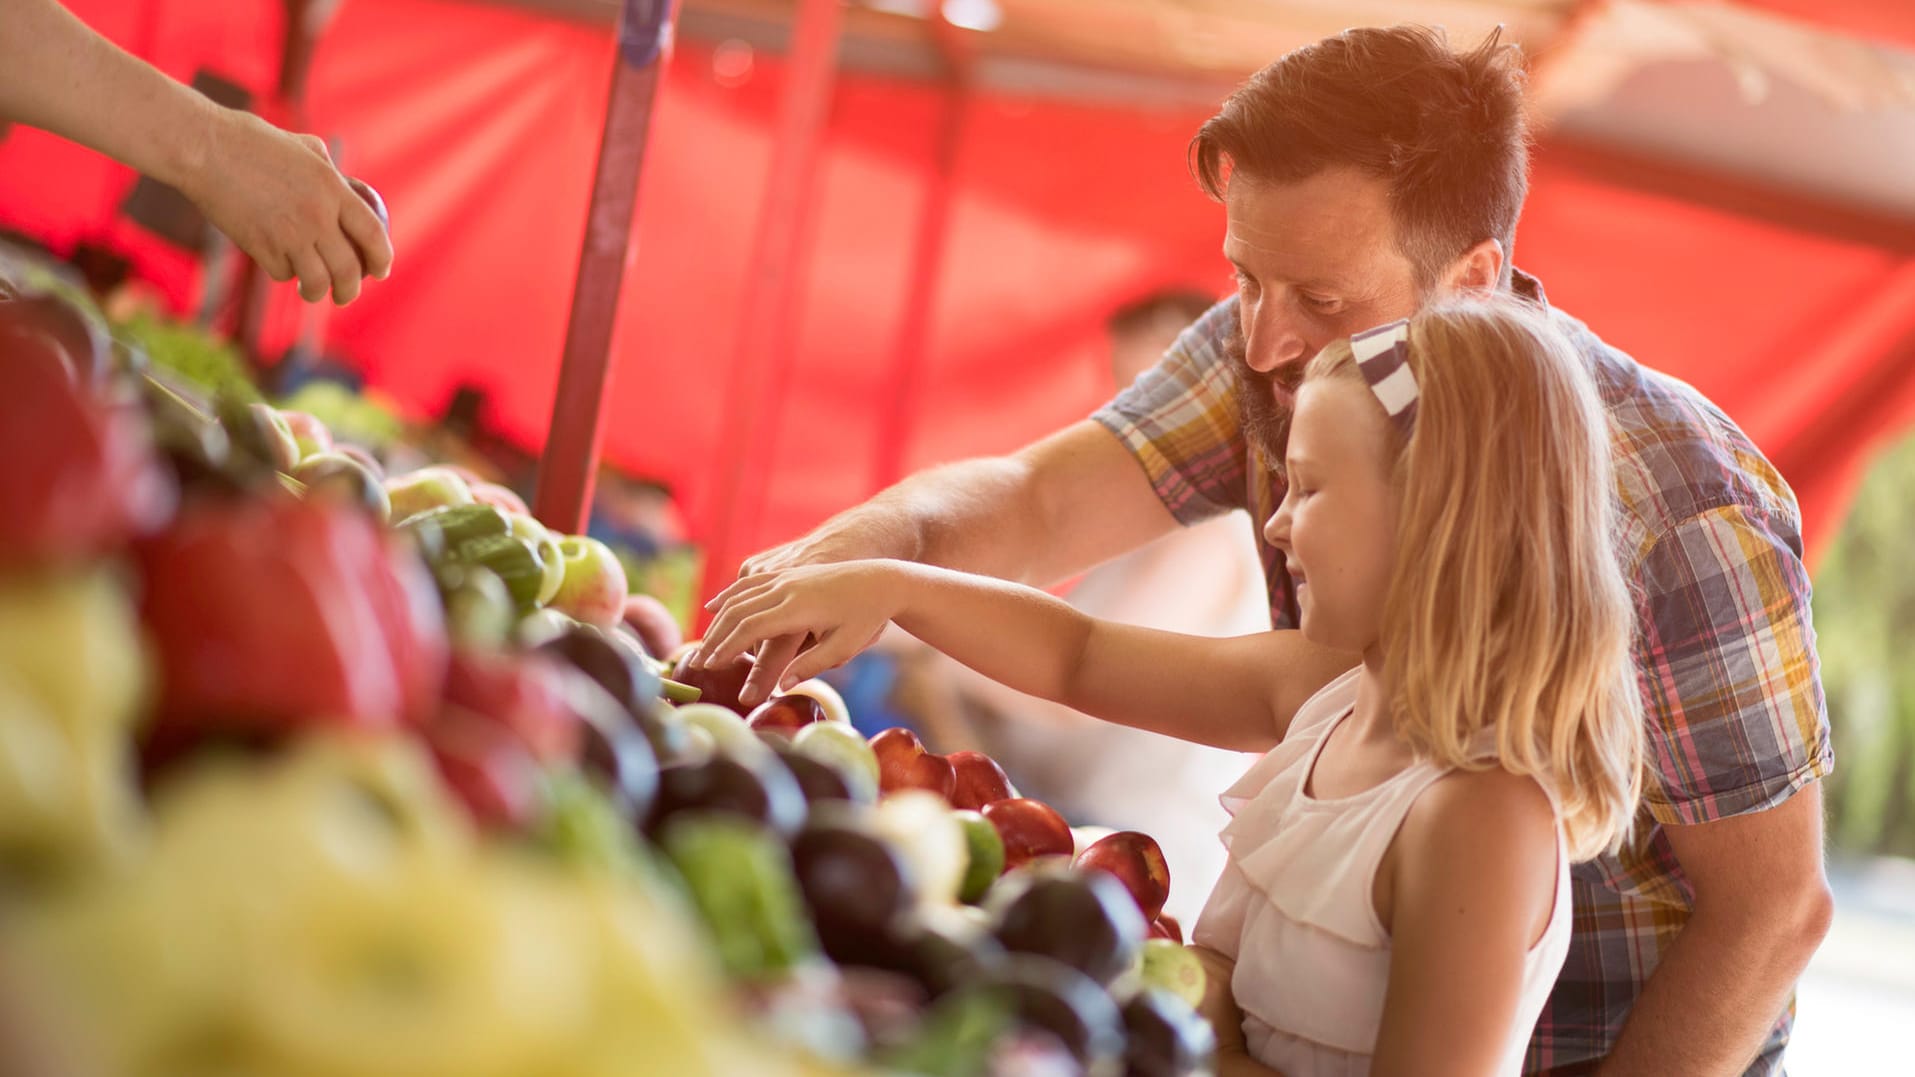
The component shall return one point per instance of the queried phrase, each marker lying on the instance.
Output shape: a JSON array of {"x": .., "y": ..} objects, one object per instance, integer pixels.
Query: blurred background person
[{"x": 1201, "y": 580}]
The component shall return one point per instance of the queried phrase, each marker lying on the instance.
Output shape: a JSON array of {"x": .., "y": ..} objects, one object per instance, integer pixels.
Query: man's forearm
[
  {"x": 1711, "y": 1002},
  {"x": 966, "y": 516},
  {"x": 55, "y": 72}
]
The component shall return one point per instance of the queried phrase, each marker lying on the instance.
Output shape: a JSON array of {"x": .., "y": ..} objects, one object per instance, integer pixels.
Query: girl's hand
[{"x": 842, "y": 608}]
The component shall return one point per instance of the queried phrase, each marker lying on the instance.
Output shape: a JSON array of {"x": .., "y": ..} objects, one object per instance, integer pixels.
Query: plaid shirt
[{"x": 1711, "y": 536}]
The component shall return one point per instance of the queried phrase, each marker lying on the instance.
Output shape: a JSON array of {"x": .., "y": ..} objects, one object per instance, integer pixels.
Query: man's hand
[{"x": 279, "y": 197}]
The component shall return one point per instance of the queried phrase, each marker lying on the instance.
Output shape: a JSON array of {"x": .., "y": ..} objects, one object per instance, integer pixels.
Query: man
[
  {"x": 277, "y": 195},
  {"x": 1361, "y": 177}
]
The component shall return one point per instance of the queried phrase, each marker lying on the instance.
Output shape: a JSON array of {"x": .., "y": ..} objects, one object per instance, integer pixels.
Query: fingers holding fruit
[{"x": 775, "y": 657}]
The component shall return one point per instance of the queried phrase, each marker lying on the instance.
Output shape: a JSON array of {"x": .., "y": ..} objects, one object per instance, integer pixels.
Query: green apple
[
  {"x": 919, "y": 824},
  {"x": 594, "y": 586},
  {"x": 986, "y": 859},
  {"x": 551, "y": 558},
  {"x": 728, "y": 731},
  {"x": 1173, "y": 968},
  {"x": 427, "y": 488}
]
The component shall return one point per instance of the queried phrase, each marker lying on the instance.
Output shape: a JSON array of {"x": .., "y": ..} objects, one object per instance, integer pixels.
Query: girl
[{"x": 1396, "y": 899}]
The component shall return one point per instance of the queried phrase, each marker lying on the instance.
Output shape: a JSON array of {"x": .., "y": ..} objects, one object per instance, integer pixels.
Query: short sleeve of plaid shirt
[
  {"x": 1729, "y": 670},
  {"x": 1178, "y": 419}
]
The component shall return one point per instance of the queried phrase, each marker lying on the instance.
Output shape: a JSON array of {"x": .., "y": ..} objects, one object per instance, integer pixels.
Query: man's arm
[
  {"x": 1738, "y": 738},
  {"x": 1762, "y": 906},
  {"x": 1054, "y": 508},
  {"x": 1058, "y": 506},
  {"x": 276, "y": 194}
]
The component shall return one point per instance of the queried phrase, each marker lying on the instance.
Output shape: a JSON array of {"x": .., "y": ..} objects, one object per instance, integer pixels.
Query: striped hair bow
[{"x": 1383, "y": 357}]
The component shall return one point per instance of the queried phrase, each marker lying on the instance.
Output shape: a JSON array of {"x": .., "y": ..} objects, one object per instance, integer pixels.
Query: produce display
[{"x": 309, "y": 769}]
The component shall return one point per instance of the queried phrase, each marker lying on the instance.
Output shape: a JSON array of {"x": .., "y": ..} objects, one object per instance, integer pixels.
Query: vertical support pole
[
  {"x": 570, "y": 463},
  {"x": 902, "y": 388},
  {"x": 771, "y": 300}
]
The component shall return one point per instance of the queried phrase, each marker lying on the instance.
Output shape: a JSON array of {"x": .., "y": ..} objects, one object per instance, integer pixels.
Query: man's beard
[{"x": 1265, "y": 423}]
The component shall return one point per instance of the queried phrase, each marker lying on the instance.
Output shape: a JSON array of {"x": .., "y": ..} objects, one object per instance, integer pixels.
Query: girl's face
[{"x": 1337, "y": 523}]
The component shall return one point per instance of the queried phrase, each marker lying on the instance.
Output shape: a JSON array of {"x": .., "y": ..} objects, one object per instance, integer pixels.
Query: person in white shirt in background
[{"x": 1203, "y": 581}]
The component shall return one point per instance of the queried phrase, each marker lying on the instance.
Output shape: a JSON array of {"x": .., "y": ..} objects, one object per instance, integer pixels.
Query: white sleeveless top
[{"x": 1294, "y": 908}]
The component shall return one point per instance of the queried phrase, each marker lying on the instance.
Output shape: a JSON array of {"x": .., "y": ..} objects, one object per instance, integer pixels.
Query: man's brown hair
[{"x": 1444, "y": 130}]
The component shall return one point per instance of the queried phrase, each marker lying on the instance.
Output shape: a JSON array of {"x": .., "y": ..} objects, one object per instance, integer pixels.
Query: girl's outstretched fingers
[{"x": 833, "y": 650}]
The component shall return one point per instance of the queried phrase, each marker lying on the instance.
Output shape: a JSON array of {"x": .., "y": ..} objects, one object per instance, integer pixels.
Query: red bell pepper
[
  {"x": 81, "y": 477},
  {"x": 275, "y": 614}
]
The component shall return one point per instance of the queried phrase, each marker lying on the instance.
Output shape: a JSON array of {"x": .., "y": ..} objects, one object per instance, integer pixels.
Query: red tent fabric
[{"x": 479, "y": 125}]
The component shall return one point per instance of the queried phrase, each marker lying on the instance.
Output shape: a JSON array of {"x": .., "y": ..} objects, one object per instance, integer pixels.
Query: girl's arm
[
  {"x": 1474, "y": 881},
  {"x": 1236, "y": 693}
]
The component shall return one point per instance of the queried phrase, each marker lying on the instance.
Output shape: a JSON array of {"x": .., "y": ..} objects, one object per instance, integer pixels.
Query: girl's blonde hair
[{"x": 1507, "y": 606}]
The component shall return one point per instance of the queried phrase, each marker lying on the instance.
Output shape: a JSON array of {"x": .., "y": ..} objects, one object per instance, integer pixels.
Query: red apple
[
  {"x": 80, "y": 477},
  {"x": 1167, "y": 927},
  {"x": 499, "y": 497},
  {"x": 979, "y": 780},
  {"x": 1030, "y": 829},
  {"x": 593, "y": 589},
  {"x": 366, "y": 459},
  {"x": 486, "y": 767},
  {"x": 903, "y": 763},
  {"x": 309, "y": 434},
  {"x": 654, "y": 624},
  {"x": 720, "y": 684},
  {"x": 1137, "y": 862},
  {"x": 523, "y": 693},
  {"x": 786, "y": 714}
]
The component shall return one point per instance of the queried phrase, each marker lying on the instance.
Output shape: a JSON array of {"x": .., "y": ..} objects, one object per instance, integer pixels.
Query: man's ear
[{"x": 1478, "y": 271}]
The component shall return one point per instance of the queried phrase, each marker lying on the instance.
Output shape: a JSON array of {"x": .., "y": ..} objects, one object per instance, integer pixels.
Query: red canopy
[{"x": 479, "y": 125}]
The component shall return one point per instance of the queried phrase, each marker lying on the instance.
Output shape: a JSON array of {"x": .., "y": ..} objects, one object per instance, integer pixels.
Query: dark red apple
[
  {"x": 653, "y": 623},
  {"x": 764, "y": 792},
  {"x": 1030, "y": 829},
  {"x": 978, "y": 780},
  {"x": 786, "y": 715},
  {"x": 1164, "y": 1037},
  {"x": 1137, "y": 862},
  {"x": 1082, "y": 918},
  {"x": 1167, "y": 927},
  {"x": 720, "y": 684},
  {"x": 903, "y": 763}
]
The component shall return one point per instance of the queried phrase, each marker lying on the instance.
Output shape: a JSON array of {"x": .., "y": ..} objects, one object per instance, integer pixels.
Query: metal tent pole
[
  {"x": 570, "y": 462},
  {"x": 770, "y": 313}
]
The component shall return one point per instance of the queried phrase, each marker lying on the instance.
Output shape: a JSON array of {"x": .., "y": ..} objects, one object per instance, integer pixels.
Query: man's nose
[{"x": 1274, "y": 343}]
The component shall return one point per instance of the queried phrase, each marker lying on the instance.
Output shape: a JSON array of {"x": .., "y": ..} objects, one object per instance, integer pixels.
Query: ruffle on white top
[{"x": 1294, "y": 908}]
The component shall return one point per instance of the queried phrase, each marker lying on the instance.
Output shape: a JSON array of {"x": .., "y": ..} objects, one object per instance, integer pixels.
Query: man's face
[{"x": 1315, "y": 260}]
